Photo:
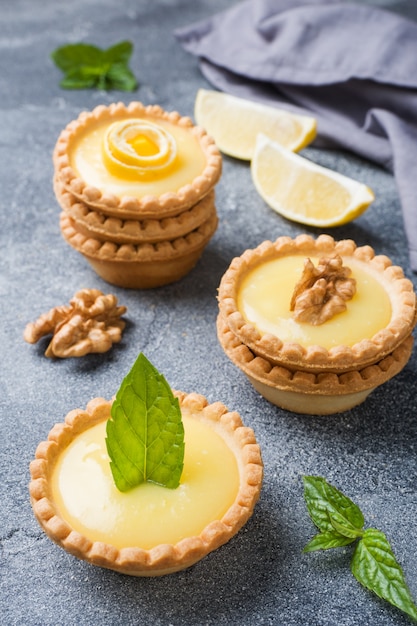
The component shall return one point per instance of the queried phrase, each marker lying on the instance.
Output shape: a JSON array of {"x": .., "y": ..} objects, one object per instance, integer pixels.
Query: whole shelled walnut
[
  {"x": 90, "y": 323},
  {"x": 322, "y": 291}
]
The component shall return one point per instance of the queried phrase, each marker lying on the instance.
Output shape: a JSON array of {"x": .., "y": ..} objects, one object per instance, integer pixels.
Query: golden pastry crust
[
  {"x": 126, "y": 207},
  {"x": 308, "y": 392},
  {"x": 141, "y": 266},
  {"x": 160, "y": 251},
  {"x": 105, "y": 228},
  {"x": 295, "y": 357},
  {"x": 162, "y": 559}
]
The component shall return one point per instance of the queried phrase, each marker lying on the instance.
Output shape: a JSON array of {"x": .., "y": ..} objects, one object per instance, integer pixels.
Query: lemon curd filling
[
  {"x": 135, "y": 157},
  {"x": 264, "y": 298},
  {"x": 87, "y": 498}
]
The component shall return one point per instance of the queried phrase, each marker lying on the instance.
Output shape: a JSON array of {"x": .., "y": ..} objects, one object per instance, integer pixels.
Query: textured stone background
[{"x": 261, "y": 576}]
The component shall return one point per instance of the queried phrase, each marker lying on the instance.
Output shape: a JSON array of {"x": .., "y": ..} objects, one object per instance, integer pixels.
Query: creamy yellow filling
[
  {"x": 84, "y": 492},
  {"x": 135, "y": 157},
  {"x": 264, "y": 297}
]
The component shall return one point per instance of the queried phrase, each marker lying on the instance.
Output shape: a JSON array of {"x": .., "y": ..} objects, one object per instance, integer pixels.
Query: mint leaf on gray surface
[
  {"x": 326, "y": 503},
  {"x": 86, "y": 66},
  {"x": 341, "y": 522},
  {"x": 327, "y": 540},
  {"x": 145, "y": 434},
  {"x": 375, "y": 567}
]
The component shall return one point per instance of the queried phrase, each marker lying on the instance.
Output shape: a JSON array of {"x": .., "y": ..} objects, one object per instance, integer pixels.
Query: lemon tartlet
[
  {"x": 190, "y": 161},
  {"x": 136, "y": 175},
  {"x": 296, "y": 360},
  {"x": 152, "y": 530}
]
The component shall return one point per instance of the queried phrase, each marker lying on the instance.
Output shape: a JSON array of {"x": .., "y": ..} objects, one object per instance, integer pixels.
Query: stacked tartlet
[
  {"x": 136, "y": 188},
  {"x": 296, "y": 359}
]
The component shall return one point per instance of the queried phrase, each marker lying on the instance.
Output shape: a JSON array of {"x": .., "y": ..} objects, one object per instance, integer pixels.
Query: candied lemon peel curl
[{"x": 136, "y": 149}]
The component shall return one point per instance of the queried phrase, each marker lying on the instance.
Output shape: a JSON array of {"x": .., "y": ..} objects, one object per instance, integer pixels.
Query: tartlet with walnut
[
  {"x": 329, "y": 282},
  {"x": 164, "y": 558}
]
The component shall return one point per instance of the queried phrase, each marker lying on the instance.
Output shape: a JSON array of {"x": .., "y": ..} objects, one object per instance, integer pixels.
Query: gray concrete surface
[{"x": 261, "y": 576}]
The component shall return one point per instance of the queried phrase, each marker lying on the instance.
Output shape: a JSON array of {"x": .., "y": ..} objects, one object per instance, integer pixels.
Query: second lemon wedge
[
  {"x": 303, "y": 191},
  {"x": 235, "y": 122}
]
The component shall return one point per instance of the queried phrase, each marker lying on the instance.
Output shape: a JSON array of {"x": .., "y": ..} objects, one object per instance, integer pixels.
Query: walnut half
[
  {"x": 322, "y": 291},
  {"x": 90, "y": 323}
]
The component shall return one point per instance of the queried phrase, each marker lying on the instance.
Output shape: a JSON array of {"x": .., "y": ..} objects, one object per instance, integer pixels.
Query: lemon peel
[
  {"x": 234, "y": 123},
  {"x": 137, "y": 148},
  {"x": 303, "y": 191}
]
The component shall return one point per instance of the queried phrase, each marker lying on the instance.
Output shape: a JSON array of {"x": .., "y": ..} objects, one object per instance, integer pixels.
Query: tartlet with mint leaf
[{"x": 149, "y": 483}]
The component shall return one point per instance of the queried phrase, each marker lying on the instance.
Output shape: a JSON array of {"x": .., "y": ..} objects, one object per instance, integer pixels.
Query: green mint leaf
[
  {"x": 344, "y": 528},
  {"x": 77, "y": 82},
  {"x": 80, "y": 78},
  {"x": 119, "y": 53},
  {"x": 341, "y": 523},
  {"x": 327, "y": 540},
  {"x": 326, "y": 503},
  {"x": 86, "y": 66},
  {"x": 76, "y": 55},
  {"x": 121, "y": 77},
  {"x": 375, "y": 567},
  {"x": 145, "y": 434}
]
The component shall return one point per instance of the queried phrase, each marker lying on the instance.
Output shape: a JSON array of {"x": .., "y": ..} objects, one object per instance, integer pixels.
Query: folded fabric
[{"x": 353, "y": 67}]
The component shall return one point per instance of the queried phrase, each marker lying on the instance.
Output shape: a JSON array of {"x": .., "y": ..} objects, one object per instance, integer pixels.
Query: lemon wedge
[
  {"x": 303, "y": 191},
  {"x": 235, "y": 122}
]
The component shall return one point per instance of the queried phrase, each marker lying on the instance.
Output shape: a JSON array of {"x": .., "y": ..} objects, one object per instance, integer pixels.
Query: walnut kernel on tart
[{"x": 323, "y": 291}]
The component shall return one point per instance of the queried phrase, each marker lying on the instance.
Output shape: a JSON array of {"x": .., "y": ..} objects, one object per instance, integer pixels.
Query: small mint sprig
[
  {"x": 86, "y": 66},
  {"x": 341, "y": 523},
  {"x": 145, "y": 434}
]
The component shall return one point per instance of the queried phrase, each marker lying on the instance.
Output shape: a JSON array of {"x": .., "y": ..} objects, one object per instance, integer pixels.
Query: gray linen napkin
[{"x": 353, "y": 67}]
